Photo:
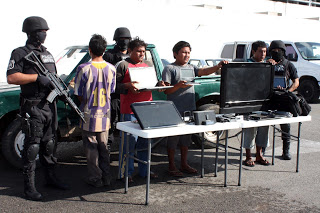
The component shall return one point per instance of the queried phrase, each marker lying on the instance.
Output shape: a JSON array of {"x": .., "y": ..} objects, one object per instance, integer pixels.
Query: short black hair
[
  {"x": 137, "y": 42},
  {"x": 181, "y": 44},
  {"x": 257, "y": 44},
  {"x": 97, "y": 44}
]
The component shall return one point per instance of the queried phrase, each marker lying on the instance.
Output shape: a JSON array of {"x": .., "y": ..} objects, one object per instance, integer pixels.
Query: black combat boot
[
  {"x": 286, "y": 147},
  {"x": 53, "y": 181},
  {"x": 29, "y": 187}
]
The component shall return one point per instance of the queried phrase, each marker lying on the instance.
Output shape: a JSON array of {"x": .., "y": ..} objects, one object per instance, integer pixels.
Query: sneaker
[
  {"x": 95, "y": 182},
  {"x": 106, "y": 180}
]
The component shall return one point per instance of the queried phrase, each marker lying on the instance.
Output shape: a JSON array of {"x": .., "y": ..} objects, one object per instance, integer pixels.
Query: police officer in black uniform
[
  {"x": 122, "y": 37},
  {"x": 39, "y": 117},
  {"x": 285, "y": 68}
]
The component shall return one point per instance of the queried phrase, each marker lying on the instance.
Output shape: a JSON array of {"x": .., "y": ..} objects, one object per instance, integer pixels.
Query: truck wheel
[
  {"x": 309, "y": 90},
  {"x": 12, "y": 143},
  {"x": 210, "y": 138}
]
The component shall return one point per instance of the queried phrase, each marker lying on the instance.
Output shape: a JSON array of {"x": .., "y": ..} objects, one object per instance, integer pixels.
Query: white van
[{"x": 304, "y": 55}]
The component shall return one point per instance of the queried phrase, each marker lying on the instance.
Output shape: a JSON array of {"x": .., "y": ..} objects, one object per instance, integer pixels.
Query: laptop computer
[
  {"x": 279, "y": 81},
  {"x": 157, "y": 114},
  {"x": 146, "y": 78},
  {"x": 187, "y": 74}
]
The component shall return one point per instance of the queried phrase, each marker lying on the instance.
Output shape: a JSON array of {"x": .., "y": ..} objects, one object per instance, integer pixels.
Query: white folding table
[
  {"x": 134, "y": 129},
  {"x": 272, "y": 122}
]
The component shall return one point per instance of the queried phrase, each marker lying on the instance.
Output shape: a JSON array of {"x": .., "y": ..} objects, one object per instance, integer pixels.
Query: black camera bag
[{"x": 284, "y": 100}]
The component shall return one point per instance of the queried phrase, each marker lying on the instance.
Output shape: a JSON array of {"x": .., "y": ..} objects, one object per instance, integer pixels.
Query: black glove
[{"x": 44, "y": 81}]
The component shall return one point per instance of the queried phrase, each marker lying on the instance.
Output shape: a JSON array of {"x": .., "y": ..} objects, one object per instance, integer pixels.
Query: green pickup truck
[{"x": 12, "y": 138}]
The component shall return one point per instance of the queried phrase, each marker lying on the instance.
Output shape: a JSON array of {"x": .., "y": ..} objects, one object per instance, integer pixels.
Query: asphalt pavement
[{"x": 275, "y": 188}]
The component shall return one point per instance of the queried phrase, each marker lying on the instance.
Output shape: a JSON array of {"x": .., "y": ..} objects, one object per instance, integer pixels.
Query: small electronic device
[{"x": 205, "y": 117}]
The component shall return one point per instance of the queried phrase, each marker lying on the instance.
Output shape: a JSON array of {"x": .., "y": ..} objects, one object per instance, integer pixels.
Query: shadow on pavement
[{"x": 72, "y": 170}]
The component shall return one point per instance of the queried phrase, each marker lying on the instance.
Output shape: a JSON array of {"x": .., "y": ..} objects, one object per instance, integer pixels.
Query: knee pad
[
  {"x": 32, "y": 152},
  {"x": 49, "y": 147}
]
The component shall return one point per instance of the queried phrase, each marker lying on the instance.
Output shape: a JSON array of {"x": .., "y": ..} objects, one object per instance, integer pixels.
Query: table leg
[
  {"x": 298, "y": 147},
  {"x": 148, "y": 171},
  {"x": 226, "y": 160},
  {"x": 273, "y": 143},
  {"x": 216, "y": 160},
  {"x": 241, "y": 155},
  {"x": 127, "y": 164},
  {"x": 202, "y": 154}
]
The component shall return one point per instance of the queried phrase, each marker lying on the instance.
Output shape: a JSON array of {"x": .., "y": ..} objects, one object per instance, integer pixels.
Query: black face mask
[
  {"x": 37, "y": 38},
  {"x": 123, "y": 44},
  {"x": 277, "y": 56},
  {"x": 41, "y": 36}
]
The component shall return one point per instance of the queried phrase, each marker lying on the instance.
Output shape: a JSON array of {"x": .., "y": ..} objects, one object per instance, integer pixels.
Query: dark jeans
[
  {"x": 115, "y": 117},
  {"x": 286, "y": 132}
]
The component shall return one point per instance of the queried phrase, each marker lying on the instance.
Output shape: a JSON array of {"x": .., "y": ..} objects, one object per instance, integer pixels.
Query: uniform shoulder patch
[{"x": 11, "y": 65}]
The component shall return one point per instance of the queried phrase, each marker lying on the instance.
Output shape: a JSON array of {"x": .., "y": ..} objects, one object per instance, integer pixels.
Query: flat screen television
[{"x": 245, "y": 87}]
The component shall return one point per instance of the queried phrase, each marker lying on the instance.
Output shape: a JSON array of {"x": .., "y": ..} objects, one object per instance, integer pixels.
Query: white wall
[{"x": 161, "y": 22}]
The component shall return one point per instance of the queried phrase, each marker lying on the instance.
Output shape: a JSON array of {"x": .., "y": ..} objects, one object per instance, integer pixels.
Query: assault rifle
[{"x": 60, "y": 88}]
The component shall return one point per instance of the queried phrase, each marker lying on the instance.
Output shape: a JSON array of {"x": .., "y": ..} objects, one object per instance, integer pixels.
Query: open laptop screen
[
  {"x": 146, "y": 76},
  {"x": 279, "y": 81},
  {"x": 187, "y": 74},
  {"x": 156, "y": 114}
]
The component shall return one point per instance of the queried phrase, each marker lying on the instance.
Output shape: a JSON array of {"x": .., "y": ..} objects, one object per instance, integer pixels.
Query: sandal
[
  {"x": 248, "y": 162},
  {"x": 175, "y": 173},
  {"x": 153, "y": 175},
  {"x": 189, "y": 170},
  {"x": 130, "y": 180},
  {"x": 262, "y": 161}
]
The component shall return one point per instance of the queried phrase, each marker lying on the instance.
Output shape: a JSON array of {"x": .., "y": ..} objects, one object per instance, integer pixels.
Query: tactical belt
[{"x": 33, "y": 101}]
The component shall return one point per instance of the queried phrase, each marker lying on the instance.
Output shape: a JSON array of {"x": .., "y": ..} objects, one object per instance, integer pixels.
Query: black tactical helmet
[
  {"x": 34, "y": 23},
  {"x": 121, "y": 32},
  {"x": 277, "y": 44}
]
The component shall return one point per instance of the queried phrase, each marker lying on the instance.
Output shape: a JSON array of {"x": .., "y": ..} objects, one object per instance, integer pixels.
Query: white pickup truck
[{"x": 304, "y": 55}]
